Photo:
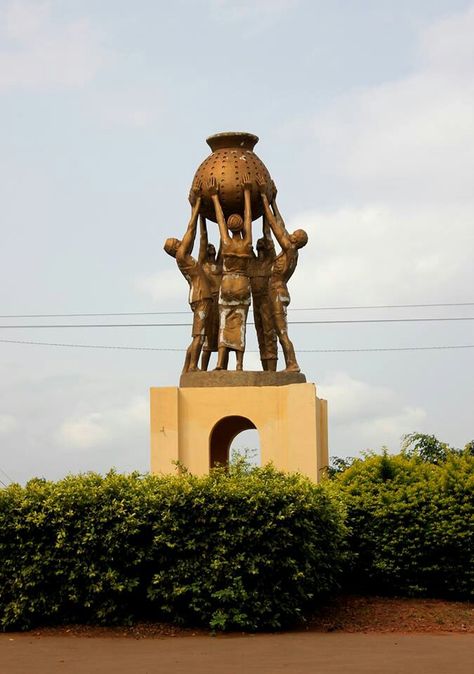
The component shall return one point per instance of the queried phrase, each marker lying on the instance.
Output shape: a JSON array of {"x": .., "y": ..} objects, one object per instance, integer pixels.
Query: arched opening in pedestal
[
  {"x": 221, "y": 438},
  {"x": 246, "y": 445}
]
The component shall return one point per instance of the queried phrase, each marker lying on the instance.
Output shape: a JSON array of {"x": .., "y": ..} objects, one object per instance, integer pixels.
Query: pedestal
[{"x": 196, "y": 423}]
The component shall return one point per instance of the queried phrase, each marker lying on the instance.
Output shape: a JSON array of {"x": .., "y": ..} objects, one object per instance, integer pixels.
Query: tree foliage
[
  {"x": 243, "y": 549},
  {"x": 411, "y": 522}
]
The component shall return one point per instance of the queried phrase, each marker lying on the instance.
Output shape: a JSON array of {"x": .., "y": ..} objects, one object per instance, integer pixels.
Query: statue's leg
[
  {"x": 270, "y": 364},
  {"x": 187, "y": 360},
  {"x": 222, "y": 358},
  {"x": 289, "y": 353},
  {"x": 257, "y": 317},
  {"x": 195, "y": 352},
  {"x": 205, "y": 358},
  {"x": 201, "y": 312},
  {"x": 240, "y": 360},
  {"x": 281, "y": 327},
  {"x": 269, "y": 349}
]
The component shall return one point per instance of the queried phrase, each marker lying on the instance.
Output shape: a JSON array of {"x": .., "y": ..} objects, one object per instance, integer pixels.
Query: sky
[{"x": 364, "y": 114}]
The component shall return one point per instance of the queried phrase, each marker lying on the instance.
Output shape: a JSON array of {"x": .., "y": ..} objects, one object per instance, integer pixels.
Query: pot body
[{"x": 232, "y": 157}]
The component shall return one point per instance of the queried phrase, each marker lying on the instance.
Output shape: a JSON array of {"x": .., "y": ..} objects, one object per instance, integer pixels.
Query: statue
[
  {"x": 282, "y": 270},
  {"x": 234, "y": 298},
  {"x": 260, "y": 273},
  {"x": 232, "y": 187},
  {"x": 212, "y": 267},
  {"x": 200, "y": 296}
]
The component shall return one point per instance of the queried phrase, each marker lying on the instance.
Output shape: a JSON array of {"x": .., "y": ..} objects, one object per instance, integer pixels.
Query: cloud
[
  {"x": 402, "y": 155},
  {"x": 254, "y": 16},
  {"x": 382, "y": 253},
  {"x": 242, "y": 10},
  {"x": 366, "y": 414},
  {"x": 447, "y": 44},
  {"x": 413, "y": 138},
  {"x": 136, "y": 107},
  {"x": 8, "y": 423},
  {"x": 100, "y": 428},
  {"x": 83, "y": 433},
  {"x": 166, "y": 287},
  {"x": 42, "y": 53}
]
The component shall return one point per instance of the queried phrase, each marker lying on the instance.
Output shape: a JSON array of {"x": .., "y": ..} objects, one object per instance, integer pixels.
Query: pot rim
[{"x": 224, "y": 139}]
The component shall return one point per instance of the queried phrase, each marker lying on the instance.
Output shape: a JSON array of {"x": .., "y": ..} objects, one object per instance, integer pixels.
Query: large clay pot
[{"x": 232, "y": 157}]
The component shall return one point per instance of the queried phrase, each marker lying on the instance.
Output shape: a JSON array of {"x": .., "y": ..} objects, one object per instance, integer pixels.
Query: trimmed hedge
[
  {"x": 411, "y": 524},
  {"x": 239, "y": 550}
]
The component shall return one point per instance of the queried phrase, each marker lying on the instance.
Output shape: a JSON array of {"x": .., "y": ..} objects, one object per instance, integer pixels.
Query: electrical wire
[
  {"x": 175, "y": 325},
  {"x": 163, "y": 313},
  {"x": 6, "y": 475},
  {"x": 155, "y": 348}
]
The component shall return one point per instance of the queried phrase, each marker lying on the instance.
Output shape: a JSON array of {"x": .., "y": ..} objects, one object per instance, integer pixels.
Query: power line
[
  {"x": 175, "y": 325},
  {"x": 91, "y": 346},
  {"x": 388, "y": 306},
  {"x": 6, "y": 475},
  {"x": 154, "y": 348},
  {"x": 164, "y": 313}
]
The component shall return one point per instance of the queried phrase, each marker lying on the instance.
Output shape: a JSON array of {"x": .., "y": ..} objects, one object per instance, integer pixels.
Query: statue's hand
[
  {"x": 212, "y": 186},
  {"x": 262, "y": 185},
  {"x": 246, "y": 181},
  {"x": 195, "y": 192}
]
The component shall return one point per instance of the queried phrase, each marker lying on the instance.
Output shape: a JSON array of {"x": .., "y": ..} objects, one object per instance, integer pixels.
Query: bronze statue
[
  {"x": 233, "y": 187},
  {"x": 260, "y": 273},
  {"x": 212, "y": 267},
  {"x": 234, "y": 298},
  {"x": 282, "y": 270},
  {"x": 200, "y": 296}
]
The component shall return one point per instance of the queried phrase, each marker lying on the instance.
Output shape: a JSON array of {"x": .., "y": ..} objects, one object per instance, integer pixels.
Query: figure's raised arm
[
  {"x": 266, "y": 230},
  {"x": 213, "y": 189},
  {"x": 273, "y": 217},
  {"x": 203, "y": 240},
  {"x": 187, "y": 241},
  {"x": 247, "y": 185}
]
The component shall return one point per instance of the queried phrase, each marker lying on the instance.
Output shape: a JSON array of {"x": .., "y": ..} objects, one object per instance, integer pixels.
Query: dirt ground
[
  {"x": 360, "y": 635},
  {"x": 294, "y": 653}
]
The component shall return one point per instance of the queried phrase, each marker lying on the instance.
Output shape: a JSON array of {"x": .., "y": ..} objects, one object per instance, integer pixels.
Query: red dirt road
[{"x": 293, "y": 653}]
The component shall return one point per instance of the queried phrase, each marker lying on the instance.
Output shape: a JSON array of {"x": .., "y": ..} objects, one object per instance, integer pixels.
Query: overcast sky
[{"x": 365, "y": 116}]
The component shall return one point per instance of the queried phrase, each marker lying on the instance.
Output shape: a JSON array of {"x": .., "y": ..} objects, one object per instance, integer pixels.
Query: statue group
[{"x": 233, "y": 188}]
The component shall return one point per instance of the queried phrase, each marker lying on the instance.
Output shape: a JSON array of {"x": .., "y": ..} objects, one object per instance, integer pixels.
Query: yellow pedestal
[{"x": 196, "y": 426}]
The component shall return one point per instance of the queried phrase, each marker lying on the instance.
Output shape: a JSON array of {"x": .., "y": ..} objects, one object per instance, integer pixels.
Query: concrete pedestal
[{"x": 195, "y": 425}]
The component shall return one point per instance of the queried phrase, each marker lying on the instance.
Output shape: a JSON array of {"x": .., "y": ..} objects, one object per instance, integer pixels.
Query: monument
[{"x": 193, "y": 425}]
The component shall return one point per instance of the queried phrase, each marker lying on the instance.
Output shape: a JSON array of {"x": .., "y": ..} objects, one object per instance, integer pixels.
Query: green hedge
[
  {"x": 412, "y": 524},
  {"x": 239, "y": 550}
]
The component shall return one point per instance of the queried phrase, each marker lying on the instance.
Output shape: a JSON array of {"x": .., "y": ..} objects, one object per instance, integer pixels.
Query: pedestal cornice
[{"x": 232, "y": 378}]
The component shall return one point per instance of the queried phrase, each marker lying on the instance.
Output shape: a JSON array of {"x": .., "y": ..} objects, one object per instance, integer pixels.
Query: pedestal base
[
  {"x": 196, "y": 425},
  {"x": 243, "y": 378}
]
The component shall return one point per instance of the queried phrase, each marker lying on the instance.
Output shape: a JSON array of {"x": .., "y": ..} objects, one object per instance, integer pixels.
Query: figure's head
[
  {"x": 299, "y": 238},
  {"x": 171, "y": 246},
  {"x": 235, "y": 223},
  {"x": 260, "y": 245},
  {"x": 211, "y": 251}
]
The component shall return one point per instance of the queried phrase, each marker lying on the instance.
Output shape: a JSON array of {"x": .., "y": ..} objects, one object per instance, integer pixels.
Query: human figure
[
  {"x": 200, "y": 296},
  {"x": 282, "y": 270},
  {"x": 212, "y": 267},
  {"x": 234, "y": 296},
  {"x": 260, "y": 273}
]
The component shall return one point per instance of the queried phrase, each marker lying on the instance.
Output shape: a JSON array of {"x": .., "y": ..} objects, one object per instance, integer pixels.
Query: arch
[
  {"x": 222, "y": 435},
  {"x": 246, "y": 445}
]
